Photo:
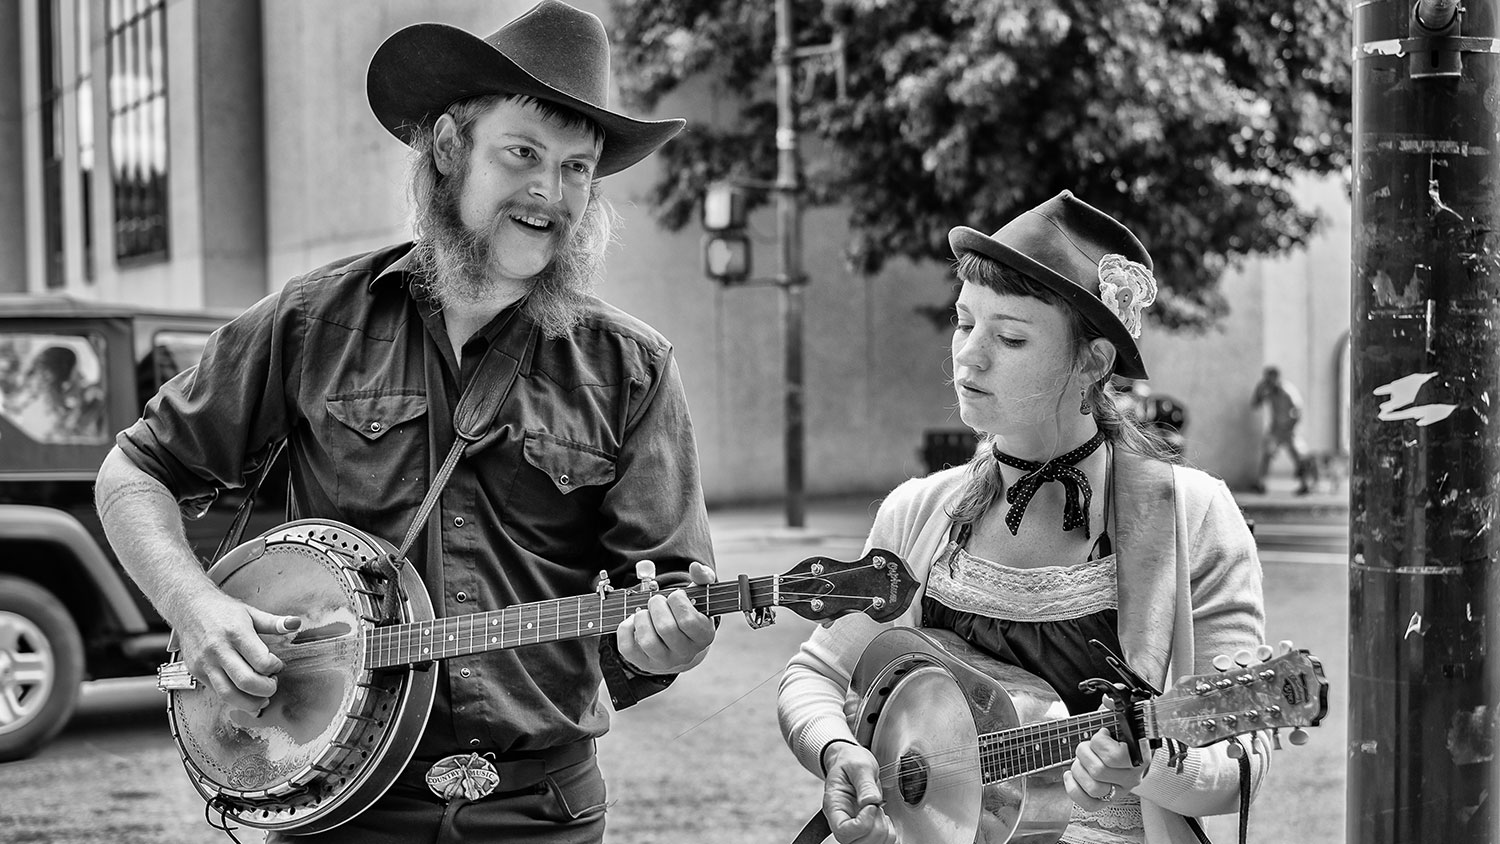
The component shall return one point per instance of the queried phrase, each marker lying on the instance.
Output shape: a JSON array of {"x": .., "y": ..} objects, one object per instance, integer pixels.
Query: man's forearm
[{"x": 144, "y": 526}]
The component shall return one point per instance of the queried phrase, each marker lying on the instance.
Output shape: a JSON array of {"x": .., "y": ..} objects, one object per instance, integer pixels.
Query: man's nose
[{"x": 546, "y": 184}]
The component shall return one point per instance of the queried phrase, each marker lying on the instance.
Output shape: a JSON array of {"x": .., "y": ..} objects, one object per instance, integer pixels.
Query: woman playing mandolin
[{"x": 1070, "y": 524}]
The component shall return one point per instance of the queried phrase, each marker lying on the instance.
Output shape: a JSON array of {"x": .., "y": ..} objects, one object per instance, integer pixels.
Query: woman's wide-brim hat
[
  {"x": 1086, "y": 256},
  {"x": 553, "y": 52}
]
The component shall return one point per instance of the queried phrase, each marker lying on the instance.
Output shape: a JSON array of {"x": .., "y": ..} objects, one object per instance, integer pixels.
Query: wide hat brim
[
  {"x": 1060, "y": 244},
  {"x": 422, "y": 69}
]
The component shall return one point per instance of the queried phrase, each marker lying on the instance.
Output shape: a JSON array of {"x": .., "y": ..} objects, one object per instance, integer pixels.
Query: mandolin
[
  {"x": 972, "y": 749},
  {"x": 354, "y": 695}
]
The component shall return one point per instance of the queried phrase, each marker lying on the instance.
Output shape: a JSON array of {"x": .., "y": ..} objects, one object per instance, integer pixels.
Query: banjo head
[{"x": 328, "y": 713}]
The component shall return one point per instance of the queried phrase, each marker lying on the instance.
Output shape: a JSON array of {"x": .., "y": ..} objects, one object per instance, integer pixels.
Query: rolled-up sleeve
[{"x": 215, "y": 422}]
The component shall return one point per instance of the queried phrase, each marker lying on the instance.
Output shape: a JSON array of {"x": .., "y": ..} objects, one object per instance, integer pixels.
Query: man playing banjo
[{"x": 589, "y": 466}]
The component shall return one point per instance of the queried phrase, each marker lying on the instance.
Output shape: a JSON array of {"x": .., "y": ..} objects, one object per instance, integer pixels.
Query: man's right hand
[
  {"x": 852, "y": 798},
  {"x": 220, "y": 641}
]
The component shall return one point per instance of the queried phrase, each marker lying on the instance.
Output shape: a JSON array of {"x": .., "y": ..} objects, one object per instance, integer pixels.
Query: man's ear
[{"x": 447, "y": 145}]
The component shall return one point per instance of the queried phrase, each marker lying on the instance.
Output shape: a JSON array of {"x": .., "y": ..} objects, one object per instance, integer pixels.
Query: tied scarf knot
[{"x": 1076, "y": 492}]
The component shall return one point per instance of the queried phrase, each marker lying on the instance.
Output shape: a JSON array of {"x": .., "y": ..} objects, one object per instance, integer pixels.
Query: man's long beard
[{"x": 454, "y": 260}]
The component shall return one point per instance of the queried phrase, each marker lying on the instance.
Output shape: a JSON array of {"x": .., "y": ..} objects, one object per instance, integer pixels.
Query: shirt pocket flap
[
  {"x": 373, "y": 416},
  {"x": 570, "y": 465}
]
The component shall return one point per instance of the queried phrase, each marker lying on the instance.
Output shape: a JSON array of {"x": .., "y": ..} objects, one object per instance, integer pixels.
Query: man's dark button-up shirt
[{"x": 589, "y": 466}]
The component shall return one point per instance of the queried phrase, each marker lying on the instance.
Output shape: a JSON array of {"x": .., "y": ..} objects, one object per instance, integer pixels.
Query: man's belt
[{"x": 474, "y": 776}]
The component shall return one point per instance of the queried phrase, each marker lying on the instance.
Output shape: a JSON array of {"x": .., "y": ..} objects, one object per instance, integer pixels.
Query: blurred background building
[{"x": 199, "y": 153}]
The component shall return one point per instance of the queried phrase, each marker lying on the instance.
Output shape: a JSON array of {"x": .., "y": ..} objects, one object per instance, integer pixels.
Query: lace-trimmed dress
[{"x": 1041, "y": 620}]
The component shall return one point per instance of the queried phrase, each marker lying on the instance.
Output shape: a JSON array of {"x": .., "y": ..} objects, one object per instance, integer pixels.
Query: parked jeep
[{"x": 72, "y": 374}]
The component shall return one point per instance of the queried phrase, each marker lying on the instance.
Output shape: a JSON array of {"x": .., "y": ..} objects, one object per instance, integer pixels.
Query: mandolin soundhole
[{"x": 911, "y": 777}]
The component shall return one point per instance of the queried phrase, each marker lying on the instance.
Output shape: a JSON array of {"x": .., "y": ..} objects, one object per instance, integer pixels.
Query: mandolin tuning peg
[
  {"x": 1264, "y": 653},
  {"x": 1284, "y": 647},
  {"x": 1223, "y": 662},
  {"x": 1243, "y": 657},
  {"x": 1298, "y": 736},
  {"x": 1276, "y": 739}
]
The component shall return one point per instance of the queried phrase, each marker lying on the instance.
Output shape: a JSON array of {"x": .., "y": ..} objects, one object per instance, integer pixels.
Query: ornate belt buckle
[{"x": 471, "y": 777}]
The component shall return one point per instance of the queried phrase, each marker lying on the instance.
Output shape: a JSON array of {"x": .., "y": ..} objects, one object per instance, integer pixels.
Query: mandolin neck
[
  {"x": 1033, "y": 748},
  {"x": 546, "y": 621}
]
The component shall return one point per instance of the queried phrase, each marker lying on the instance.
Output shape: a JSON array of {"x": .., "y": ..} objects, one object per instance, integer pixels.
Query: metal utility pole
[
  {"x": 1424, "y": 602},
  {"x": 789, "y": 242}
]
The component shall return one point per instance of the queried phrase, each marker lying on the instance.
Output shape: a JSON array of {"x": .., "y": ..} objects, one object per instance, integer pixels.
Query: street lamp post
[
  {"x": 789, "y": 242},
  {"x": 1424, "y": 605}
]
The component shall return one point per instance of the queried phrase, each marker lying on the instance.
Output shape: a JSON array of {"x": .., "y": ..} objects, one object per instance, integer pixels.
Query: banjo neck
[{"x": 553, "y": 620}]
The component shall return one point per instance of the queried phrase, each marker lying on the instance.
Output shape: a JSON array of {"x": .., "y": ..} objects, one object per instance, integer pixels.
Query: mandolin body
[{"x": 924, "y": 699}]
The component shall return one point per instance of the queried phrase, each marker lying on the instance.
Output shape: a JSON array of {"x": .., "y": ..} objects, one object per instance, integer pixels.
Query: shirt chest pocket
[
  {"x": 558, "y": 490},
  {"x": 568, "y": 465},
  {"x": 376, "y": 446}
]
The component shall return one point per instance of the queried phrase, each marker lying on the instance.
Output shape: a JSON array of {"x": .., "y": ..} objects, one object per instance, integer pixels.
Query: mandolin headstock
[
  {"x": 1286, "y": 691},
  {"x": 822, "y": 588}
]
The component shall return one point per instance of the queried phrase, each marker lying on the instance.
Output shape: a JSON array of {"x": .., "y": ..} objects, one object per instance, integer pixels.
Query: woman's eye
[
  {"x": 1012, "y": 342},
  {"x": 523, "y": 152},
  {"x": 962, "y": 327}
]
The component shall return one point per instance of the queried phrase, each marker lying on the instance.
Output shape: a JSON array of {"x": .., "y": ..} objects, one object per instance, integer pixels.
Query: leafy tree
[{"x": 1189, "y": 119}]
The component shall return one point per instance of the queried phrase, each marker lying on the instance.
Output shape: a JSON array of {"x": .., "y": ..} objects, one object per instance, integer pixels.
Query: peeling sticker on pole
[
  {"x": 1414, "y": 626},
  {"x": 1403, "y": 395}
]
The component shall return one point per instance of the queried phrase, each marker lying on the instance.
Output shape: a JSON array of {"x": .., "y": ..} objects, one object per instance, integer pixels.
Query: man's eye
[
  {"x": 581, "y": 167},
  {"x": 1011, "y": 341},
  {"x": 962, "y": 326},
  {"x": 523, "y": 152}
]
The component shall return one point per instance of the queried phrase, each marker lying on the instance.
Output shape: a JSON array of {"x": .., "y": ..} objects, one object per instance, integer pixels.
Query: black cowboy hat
[
  {"x": 1062, "y": 243},
  {"x": 553, "y": 52}
]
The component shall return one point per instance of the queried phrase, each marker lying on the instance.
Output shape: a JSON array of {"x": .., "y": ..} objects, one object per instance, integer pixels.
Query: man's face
[{"x": 526, "y": 183}]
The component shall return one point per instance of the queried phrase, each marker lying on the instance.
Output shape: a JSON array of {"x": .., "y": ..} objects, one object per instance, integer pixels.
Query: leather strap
[
  {"x": 815, "y": 830},
  {"x": 232, "y": 536}
]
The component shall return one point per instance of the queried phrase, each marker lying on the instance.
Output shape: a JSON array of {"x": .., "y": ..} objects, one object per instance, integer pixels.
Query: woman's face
[{"x": 1013, "y": 363}]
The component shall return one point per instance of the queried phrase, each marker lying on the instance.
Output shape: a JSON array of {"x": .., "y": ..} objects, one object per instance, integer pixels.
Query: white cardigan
[{"x": 1189, "y": 589}]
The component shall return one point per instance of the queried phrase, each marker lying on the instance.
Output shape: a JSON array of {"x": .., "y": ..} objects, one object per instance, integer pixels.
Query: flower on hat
[{"x": 1126, "y": 288}]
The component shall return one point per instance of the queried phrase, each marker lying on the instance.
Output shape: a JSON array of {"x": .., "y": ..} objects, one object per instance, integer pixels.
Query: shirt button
[
  {"x": 376, "y": 426},
  {"x": 464, "y": 672},
  {"x": 564, "y": 480},
  {"x": 458, "y": 521},
  {"x": 461, "y": 597}
]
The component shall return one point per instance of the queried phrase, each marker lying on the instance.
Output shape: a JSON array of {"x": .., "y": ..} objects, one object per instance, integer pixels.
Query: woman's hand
[
  {"x": 852, "y": 799},
  {"x": 1101, "y": 771}
]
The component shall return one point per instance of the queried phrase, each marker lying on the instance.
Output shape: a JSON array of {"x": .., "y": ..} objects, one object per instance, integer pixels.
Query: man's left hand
[{"x": 670, "y": 635}]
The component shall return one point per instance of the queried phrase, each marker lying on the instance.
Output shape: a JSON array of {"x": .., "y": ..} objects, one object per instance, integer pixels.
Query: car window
[
  {"x": 174, "y": 351},
  {"x": 52, "y": 387}
]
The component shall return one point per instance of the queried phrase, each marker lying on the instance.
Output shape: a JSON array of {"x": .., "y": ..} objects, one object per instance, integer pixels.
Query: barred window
[
  {"x": 138, "y": 126},
  {"x": 86, "y": 136},
  {"x": 51, "y": 113}
]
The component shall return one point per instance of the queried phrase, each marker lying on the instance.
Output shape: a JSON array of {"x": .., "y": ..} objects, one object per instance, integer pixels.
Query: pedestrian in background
[
  {"x": 1283, "y": 412},
  {"x": 1071, "y": 523},
  {"x": 590, "y": 463}
]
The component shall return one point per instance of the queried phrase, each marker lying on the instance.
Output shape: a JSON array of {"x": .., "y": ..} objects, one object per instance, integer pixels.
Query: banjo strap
[{"x": 473, "y": 419}]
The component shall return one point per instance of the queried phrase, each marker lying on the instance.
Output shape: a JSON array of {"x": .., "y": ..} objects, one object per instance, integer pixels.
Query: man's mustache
[{"x": 561, "y": 222}]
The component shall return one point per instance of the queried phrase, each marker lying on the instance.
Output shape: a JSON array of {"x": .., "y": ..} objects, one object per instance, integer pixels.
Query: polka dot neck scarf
[{"x": 1063, "y": 469}]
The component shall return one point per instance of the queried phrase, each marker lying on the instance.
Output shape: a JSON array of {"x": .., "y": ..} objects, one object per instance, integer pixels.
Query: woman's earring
[{"x": 1083, "y": 404}]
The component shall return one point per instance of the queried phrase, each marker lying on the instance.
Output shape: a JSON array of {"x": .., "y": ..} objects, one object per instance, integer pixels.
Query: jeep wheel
[{"x": 41, "y": 665}]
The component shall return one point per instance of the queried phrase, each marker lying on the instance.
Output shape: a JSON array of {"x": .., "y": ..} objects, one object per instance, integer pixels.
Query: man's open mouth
[{"x": 540, "y": 224}]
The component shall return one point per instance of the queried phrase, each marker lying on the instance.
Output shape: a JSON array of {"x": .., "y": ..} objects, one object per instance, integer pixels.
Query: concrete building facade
[{"x": 191, "y": 153}]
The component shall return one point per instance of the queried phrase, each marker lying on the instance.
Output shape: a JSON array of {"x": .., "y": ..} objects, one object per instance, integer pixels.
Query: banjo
[
  {"x": 972, "y": 749},
  {"x": 354, "y": 696}
]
